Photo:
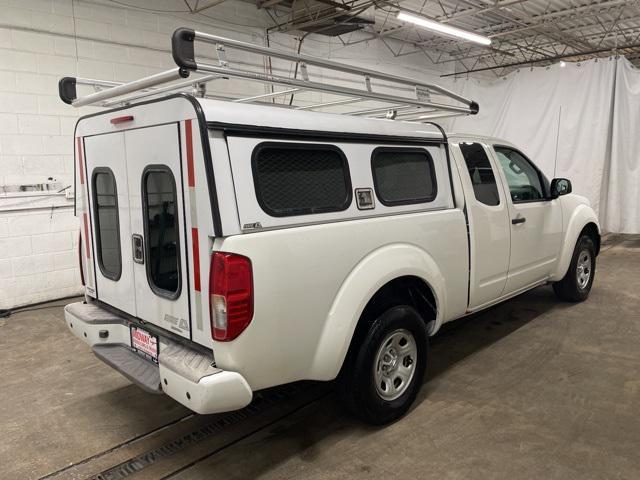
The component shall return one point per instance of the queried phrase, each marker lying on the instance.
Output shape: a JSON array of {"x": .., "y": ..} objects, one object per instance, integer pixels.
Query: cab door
[
  {"x": 536, "y": 221},
  {"x": 488, "y": 217}
]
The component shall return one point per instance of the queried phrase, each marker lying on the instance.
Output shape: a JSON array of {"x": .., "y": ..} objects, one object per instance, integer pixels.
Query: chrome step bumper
[{"x": 183, "y": 373}]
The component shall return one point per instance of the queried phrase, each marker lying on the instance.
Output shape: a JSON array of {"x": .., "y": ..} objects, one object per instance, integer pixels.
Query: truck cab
[{"x": 517, "y": 224}]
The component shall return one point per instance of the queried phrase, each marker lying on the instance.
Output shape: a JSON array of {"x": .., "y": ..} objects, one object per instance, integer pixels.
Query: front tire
[
  {"x": 384, "y": 372},
  {"x": 577, "y": 282}
]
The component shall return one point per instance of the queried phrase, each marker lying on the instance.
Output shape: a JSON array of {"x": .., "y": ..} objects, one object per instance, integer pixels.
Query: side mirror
[{"x": 560, "y": 186}]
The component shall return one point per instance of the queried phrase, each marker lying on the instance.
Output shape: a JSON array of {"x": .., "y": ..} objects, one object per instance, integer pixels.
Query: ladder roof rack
[{"x": 417, "y": 106}]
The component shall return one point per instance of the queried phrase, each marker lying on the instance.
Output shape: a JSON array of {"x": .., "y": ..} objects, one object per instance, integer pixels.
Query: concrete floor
[{"x": 533, "y": 388}]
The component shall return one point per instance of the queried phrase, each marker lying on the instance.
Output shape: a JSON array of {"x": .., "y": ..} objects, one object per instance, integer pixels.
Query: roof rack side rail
[
  {"x": 322, "y": 87},
  {"x": 183, "y": 54}
]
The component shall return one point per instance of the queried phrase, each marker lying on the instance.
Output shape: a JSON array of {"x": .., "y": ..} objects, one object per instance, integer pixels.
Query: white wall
[{"x": 43, "y": 40}]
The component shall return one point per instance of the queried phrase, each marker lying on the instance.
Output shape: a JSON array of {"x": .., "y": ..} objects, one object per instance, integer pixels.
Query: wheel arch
[
  {"x": 583, "y": 220},
  {"x": 592, "y": 230},
  {"x": 403, "y": 290},
  {"x": 397, "y": 273}
]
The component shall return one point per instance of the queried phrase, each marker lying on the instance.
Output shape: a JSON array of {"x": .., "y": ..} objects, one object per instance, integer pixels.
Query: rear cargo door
[
  {"x": 108, "y": 230},
  {"x": 156, "y": 203}
]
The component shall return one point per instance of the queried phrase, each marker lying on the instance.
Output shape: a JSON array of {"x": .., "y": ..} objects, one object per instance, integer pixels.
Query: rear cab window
[{"x": 481, "y": 173}]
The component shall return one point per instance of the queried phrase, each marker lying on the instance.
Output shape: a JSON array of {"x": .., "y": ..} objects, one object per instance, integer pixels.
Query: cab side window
[
  {"x": 525, "y": 183},
  {"x": 481, "y": 173}
]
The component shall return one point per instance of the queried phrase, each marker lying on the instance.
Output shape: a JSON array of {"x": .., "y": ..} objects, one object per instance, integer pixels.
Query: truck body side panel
[{"x": 298, "y": 273}]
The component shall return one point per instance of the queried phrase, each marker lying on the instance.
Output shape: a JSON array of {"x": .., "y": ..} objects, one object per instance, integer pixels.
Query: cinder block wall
[{"x": 43, "y": 40}]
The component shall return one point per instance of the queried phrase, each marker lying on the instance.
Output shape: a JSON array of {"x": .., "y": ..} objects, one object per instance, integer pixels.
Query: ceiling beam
[{"x": 545, "y": 60}]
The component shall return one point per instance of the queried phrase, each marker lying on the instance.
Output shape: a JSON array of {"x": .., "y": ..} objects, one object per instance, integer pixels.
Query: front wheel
[
  {"x": 577, "y": 282},
  {"x": 382, "y": 376}
]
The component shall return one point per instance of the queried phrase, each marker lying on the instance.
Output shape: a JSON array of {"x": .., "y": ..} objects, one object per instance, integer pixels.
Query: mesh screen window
[
  {"x": 403, "y": 176},
  {"x": 298, "y": 179}
]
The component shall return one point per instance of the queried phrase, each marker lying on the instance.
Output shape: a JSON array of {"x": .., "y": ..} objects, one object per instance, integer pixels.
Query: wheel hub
[
  {"x": 583, "y": 269},
  {"x": 394, "y": 365}
]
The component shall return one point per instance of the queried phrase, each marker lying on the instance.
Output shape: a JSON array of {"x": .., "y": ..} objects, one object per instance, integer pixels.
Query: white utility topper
[{"x": 232, "y": 245}]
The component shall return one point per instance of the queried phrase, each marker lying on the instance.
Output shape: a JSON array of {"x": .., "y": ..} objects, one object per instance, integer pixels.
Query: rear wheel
[
  {"x": 577, "y": 282},
  {"x": 384, "y": 372}
]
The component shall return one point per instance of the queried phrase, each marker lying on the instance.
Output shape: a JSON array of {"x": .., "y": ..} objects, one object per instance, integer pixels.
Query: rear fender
[{"x": 367, "y": 277}]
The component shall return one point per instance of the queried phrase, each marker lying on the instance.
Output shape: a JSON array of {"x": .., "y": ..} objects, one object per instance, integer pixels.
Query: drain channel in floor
[{"x": 186, "y": 449}]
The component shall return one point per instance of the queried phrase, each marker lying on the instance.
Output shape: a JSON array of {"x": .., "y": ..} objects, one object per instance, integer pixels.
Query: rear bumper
[{"x": 185, "y": 374}]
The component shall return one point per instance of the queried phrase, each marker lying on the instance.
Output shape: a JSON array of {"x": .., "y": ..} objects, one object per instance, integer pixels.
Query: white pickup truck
[{"x": 230, "y": 247}]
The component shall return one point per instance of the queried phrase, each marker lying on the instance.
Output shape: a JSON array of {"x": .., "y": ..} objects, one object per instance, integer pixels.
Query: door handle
[
  {"x": 138, "y": 248},
  {"x": 518, "y": 220}
]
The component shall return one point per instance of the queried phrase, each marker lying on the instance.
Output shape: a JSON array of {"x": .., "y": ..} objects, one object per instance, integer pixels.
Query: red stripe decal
[
  {"x": 80, "y": 162},
  {"x": 86, "y": 233},
  {"x": 189, "y": 140},
  {"x": 196, "y": 259}
]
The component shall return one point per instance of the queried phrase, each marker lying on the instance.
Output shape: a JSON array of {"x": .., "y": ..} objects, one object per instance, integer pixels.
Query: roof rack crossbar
[
  {"x": 149, "y": 92},
  {"x": 123, "y": 89},
  {"x": 416, "y": 106},
  {"x": 288, "y": 91},
  {"x": 346, "y": 101}
]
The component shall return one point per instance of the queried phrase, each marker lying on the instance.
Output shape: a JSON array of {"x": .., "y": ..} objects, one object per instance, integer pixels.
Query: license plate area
[{"x": 144, "y": 343}]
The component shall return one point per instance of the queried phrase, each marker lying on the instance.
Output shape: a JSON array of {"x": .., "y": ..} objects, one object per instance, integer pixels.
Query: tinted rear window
[
  {"x": 403, "y": 176},
  {"x": 298, "y": 179},
  {"x": 105, "y": 200},
  {"x": 161, "y": 228},
  {"x": 481, "y": 173}
]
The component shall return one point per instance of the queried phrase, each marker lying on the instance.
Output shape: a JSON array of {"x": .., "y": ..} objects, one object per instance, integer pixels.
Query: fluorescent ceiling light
[{"x": 444, "y": 29}]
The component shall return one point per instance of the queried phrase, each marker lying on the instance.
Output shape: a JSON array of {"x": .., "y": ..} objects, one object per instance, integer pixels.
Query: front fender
[
  {"x": 579, "y": 215},
  {"x": 367, "y": 277}
]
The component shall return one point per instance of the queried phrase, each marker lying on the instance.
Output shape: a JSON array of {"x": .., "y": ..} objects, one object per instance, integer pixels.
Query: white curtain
[
  {"x": 622, "y": 201},
  {"x": 576, "y": 121}
]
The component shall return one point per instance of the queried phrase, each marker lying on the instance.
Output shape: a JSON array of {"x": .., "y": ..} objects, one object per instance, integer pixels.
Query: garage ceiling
[{"x": 524, "y": 32}]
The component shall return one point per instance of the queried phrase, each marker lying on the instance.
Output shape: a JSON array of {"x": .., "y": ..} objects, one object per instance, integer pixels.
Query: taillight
[
  {"x": 230, "y": 295},
  {"x": 80, "y": 258}
]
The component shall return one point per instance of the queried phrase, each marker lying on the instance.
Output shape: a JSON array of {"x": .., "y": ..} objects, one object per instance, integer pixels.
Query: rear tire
[
  {"x": 577, "y": 282},
  {"x": 383, "y": 372}
]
